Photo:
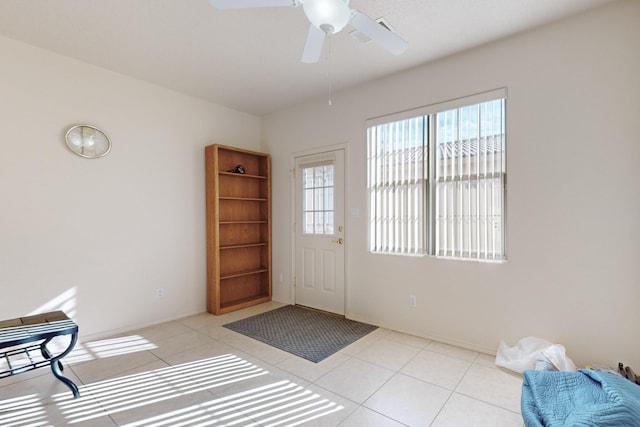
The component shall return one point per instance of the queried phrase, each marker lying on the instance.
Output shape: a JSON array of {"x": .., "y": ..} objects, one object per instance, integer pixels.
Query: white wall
[
  {"x": 98, "y": 236},
  {"x": 573, "y": 153}
]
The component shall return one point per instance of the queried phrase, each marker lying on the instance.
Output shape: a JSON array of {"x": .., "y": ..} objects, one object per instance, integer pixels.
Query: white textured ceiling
[{"x": 249, "y": 59}]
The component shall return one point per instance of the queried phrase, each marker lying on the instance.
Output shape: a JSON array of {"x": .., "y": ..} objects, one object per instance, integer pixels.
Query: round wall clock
[{"x": 87, "y": 141}]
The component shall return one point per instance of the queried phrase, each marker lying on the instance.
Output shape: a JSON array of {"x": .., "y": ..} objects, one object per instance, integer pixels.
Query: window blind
[
  {"x": 396, "y": 182},
  {"x": 469, "y": 176}
]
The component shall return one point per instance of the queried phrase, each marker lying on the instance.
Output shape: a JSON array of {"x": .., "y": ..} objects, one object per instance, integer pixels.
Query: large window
[{"x": 436, "y": 180}]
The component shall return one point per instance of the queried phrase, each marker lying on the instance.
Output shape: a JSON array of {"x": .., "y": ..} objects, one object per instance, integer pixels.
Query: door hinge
[
  {"x": 294, "y": 281},
  {"x": 294, "y": 227},
  {"x": 293, "y": 172}
]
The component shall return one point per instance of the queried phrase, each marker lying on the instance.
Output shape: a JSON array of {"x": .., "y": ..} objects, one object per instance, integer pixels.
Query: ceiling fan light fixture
[{"x": 330, "y": 16}]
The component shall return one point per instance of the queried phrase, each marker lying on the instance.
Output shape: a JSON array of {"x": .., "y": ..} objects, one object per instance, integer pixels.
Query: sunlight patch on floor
[
  {"x": 273, "y": 404},
  {"x": 109, "y": 348},
  {"x": 133, "y": 391},
  {"x": 22, "y": 411},
  {"x": 279, "y": 403}
]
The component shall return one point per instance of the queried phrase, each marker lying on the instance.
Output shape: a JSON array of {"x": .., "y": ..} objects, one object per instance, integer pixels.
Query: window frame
[{"x": 429, "y": 113}]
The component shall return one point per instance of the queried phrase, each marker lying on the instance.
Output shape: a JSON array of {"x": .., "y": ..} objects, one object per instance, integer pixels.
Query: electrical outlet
[
  {"x": 159, "y": 292},
  {"x": 412, "y": 300}
]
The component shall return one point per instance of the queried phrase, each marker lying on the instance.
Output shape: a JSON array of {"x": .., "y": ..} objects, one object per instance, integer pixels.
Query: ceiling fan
[{"x": 326, "y": 17}]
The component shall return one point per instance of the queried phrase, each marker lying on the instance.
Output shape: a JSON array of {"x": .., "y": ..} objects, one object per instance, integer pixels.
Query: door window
[{"x": 318, "y": 209}]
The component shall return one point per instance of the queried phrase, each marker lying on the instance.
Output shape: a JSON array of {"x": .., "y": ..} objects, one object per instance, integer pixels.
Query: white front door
[{"x": 319, "y": 231}]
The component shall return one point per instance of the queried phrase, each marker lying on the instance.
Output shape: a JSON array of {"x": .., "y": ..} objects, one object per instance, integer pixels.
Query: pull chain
[{"x": 327, "y": 56}]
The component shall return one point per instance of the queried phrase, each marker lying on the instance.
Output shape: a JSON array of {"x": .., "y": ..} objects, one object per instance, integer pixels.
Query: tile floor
[{"x": 194, "y": 372}]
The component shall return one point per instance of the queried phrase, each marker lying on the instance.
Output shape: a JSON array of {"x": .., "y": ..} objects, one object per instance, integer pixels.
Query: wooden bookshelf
[{"x": 238, "y": 228}]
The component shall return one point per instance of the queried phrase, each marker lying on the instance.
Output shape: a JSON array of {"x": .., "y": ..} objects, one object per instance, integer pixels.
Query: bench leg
[
  {"x": 47, "y": 354},
  {"x": 57, "y": 371},
  {"x": 56, "y": 364}
]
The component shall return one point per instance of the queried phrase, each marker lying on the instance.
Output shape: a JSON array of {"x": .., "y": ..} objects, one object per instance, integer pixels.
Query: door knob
[{"x": 340, "y": 241}]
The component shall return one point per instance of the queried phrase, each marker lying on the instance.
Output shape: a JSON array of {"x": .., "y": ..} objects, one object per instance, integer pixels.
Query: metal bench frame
[{"x": 27, "y": 335}]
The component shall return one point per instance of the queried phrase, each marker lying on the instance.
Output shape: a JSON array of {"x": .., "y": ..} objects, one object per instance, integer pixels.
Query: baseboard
[
  {"x": 129, "y": 328},
  {"x": 434, "y": 337}
]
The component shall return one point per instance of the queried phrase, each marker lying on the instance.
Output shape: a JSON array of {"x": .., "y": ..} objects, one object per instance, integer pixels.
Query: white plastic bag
[
  {"x": 533, "y": 353},
  {"x": 557, "y": 356},
  {"x": 523, "y": 356}
]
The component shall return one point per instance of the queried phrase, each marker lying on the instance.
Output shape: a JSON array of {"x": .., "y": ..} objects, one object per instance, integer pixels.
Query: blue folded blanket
[{"x": 584, "y": 398}]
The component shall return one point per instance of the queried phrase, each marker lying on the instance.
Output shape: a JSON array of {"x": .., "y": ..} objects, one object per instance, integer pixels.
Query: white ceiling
[{"x": 249, "y": 59}]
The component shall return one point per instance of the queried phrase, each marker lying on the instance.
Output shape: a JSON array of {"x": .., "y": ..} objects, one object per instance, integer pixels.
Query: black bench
[{"x": 22, "y": 338}]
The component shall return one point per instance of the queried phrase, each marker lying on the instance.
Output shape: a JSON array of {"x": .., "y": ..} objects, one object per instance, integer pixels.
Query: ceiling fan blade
[
  {"x": 246, "y": 4},
  {"x": 379, "y": 34},
  {"x": 313, "y": 45}
]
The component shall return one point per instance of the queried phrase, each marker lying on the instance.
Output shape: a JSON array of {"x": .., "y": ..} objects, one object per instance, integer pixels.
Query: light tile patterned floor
[{"x": 194, "y": 372}]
